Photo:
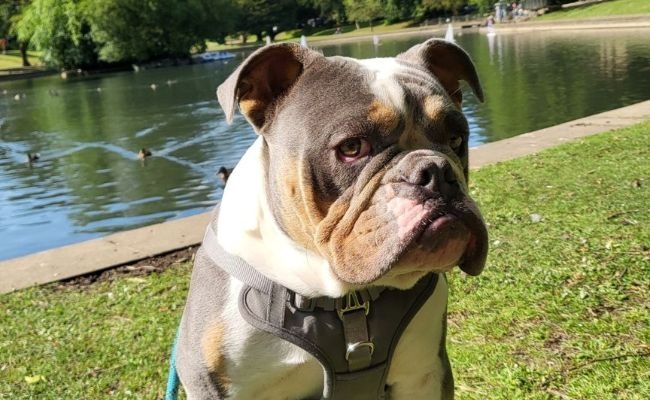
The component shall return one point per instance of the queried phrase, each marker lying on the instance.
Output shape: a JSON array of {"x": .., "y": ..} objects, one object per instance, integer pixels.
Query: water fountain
[{"x": 449, "y": 36}]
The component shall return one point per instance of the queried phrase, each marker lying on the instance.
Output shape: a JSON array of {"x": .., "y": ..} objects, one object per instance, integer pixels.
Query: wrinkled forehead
[
  {"x": 400, "y": 84},
  {"x": 343, "y": 94}
]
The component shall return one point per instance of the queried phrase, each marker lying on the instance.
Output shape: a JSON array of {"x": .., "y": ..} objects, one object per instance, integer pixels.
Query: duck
[
  {"x": 32, "y": 157},
  {"x": 144, "y": 153},
  {"x": 224, "y": 174}
]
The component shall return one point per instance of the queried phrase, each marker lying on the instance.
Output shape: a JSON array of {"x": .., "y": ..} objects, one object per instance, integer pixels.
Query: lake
[{"x": 89, "y": 181}]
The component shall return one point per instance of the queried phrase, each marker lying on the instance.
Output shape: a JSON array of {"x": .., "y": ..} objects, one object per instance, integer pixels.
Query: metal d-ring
[{"x": 354, "y": 346}]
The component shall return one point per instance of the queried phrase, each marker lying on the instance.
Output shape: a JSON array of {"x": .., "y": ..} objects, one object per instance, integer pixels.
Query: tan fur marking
[
  {"x": 251, "y": 107},
  {"x": 306, "y": 213},
  {"x": 212, "y": 345},
  {"x": 265, "y": 82},
  {"x": 386, "y": 117},
  {"x": 434, "y": 108}
]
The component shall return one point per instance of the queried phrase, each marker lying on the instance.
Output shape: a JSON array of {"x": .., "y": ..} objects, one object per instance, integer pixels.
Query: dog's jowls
[{"x": 358, "y": 179}]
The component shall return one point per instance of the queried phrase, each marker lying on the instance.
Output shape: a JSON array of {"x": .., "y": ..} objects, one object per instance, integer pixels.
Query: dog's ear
[
  {"x": 449, "y": 63},
  {"x": 260, "y": 82}
]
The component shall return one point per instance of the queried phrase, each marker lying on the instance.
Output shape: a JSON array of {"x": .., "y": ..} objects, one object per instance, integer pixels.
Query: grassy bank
[
  {"x": 12, "y": 59},
  {"x": 602, "y": 10},
  {"x": 561, "y": 311}
]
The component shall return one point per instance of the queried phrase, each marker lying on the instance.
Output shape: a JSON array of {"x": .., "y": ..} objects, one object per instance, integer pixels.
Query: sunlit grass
[
  {"x": 12, "y": 59},
  {"x": 603, "y": 9}
]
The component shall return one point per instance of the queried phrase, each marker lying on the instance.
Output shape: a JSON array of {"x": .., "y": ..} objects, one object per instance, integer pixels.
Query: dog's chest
[{"x": 263, "y": 366}]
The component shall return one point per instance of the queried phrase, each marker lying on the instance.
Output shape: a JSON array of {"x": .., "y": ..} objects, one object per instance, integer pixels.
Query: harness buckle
[
  {"x": 352, "y": 347},
  {"x": 352, "y": 303}
]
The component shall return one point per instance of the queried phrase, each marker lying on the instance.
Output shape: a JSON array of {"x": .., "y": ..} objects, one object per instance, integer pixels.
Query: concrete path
[{"x": 131, "y": 246}]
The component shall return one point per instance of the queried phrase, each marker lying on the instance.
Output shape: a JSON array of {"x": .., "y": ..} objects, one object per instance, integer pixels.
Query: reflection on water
[{"x": 89, "y": 181}]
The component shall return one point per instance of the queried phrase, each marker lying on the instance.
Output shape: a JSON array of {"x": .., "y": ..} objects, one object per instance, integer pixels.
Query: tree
[
  {"x": 398, "y": 10},
  {"x": 329, "y": 9},
  {"x": 136, "y": 30},
  {"x": 59, "y": 30},
  {"x": 364, "y": 10},
  {"x": 483, "y": 5},
  {"x": 10, "y": 11},
  {"x": 452, "y": 5},
  {"x": 268, "y": 17}
]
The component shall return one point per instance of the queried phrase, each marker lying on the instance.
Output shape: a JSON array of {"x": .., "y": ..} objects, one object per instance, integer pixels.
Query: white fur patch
[
  {"x": 294, "y": 372},
  {"x": 384, "y": 85},
  {"x": 247, "y": 228}
]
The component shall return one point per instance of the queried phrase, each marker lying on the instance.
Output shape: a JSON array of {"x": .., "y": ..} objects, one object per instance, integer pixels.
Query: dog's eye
[
  {"x": 455, "y": 142},
  {"x": 352, "y": 149}
]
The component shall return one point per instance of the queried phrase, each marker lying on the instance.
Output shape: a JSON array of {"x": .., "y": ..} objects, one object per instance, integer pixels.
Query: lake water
[{"x": 89, "y": 181}]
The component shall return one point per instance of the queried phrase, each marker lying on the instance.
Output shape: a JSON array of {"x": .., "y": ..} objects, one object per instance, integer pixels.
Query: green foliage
[
  {"x": 5, "y": 22},
  {"x": 398, "y": 10},
  {"x": 60, "y": 31},
  {"x": 484, "y": 6},
  {"x": 261, "y": 16},
  {"x": 364, "y": 10},
  {"x": 80, "y": 33},
  {"x": 451, "y": 5},
  {"x": 329, "y": 9},
  {"x": 165, "y": 28}
]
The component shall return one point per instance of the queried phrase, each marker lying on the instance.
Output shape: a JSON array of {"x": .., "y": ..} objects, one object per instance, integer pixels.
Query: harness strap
[
  {"x": 358, "y": 346},
  {"x": 233, "y": 265},
  {"x": 353, "y": 337}
]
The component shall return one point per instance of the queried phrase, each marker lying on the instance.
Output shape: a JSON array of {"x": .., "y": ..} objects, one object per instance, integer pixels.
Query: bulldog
[{"x": 322, "y": 272}]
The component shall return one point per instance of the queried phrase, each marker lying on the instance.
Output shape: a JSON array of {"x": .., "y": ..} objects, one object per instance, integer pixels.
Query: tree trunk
[{"x": 23, "y": 53}]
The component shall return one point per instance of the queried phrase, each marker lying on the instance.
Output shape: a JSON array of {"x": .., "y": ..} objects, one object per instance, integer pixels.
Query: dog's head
[{"x": 365, "y": 162}]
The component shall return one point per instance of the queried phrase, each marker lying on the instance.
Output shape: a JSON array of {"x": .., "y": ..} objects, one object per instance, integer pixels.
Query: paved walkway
[{"x": 131, "y": 246}]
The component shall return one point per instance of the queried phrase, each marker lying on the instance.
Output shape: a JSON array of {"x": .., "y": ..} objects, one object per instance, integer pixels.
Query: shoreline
[
  {"x": 640, "y": 21},
  {"x": 616, "y": 22},
  {"x": 129, "y": 247}
]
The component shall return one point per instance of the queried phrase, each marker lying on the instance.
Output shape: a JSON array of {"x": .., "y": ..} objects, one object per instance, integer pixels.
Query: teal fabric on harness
[{"x": 353, "y": 337}]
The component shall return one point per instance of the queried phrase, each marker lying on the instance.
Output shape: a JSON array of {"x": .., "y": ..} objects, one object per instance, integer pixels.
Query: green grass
[
  {"x": 561, "y": 311},
  {"x": 563, "y": 308},
  {"x": 110, "y": 340},
  {"x": 604, "y": 9},
  {"x": 12, "y": 59}
]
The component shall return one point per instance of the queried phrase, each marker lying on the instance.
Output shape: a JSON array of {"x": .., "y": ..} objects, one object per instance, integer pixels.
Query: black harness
[{"x": 353, "y": 337}]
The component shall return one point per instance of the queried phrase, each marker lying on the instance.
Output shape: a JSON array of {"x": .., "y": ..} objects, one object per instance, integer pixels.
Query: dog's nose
[{"x": 435, "y": 174}]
